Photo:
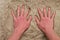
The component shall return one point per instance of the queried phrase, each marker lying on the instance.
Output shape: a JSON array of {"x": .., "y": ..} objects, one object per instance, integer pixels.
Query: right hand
[{"x": 46, "y": 21}]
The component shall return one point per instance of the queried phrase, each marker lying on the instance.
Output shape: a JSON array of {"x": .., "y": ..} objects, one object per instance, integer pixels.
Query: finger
[
  {"x": 27, "y": 13},
  {"x": 53, "y": 16},
  {"x": 40, "y": 13},
  {"x": 22, "y": 10},
  {"x": 13, "y": 15},
  {"x": 49, "y": 11},
  {"x": 18, "y": 10},
  {"x": 29, "y": 20},
  {"x": 44, "y": 11},
  {"x": 36, "y": 19}
]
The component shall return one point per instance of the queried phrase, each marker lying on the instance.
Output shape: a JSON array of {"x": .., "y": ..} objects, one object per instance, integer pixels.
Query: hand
[
  {"x": 20, "y": 22},
  {"x": 46, "y": 21}
]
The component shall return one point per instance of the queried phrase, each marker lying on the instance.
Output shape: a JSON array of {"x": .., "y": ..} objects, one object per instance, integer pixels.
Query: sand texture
[{"x": 33, "y": 33}]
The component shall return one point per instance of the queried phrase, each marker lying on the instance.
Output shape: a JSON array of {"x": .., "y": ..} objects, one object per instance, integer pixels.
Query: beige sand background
[{"x": 33, "y": 33}]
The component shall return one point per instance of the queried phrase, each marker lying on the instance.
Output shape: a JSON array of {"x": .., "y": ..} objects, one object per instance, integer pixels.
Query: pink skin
[
  {"x": 20, "y": 23},
  {"x": 46, "y": 23}
]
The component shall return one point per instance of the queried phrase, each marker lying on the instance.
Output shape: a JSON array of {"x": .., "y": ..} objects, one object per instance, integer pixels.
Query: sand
[{"x": 33, "y": 33}]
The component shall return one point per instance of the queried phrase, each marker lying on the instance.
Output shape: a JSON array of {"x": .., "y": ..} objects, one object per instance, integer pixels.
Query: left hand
[{"x": 20, "y": 22}]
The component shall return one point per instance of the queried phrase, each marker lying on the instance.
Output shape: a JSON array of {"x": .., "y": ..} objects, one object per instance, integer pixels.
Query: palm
[
  {"x": 46, "y": 21},
  {"x": 21, "y": 22}
]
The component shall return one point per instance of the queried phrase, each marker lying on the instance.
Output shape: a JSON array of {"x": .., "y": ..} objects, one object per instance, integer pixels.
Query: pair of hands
[{"x": 45, "y": 23}]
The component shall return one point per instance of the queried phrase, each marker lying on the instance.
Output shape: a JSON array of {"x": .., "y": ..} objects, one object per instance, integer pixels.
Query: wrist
[
  {"x": 49, "y": 31},
  {"x": 51, "y": 35},
  {"x": 16, "y": 34},
  {"x": 18, "y": 30}
]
